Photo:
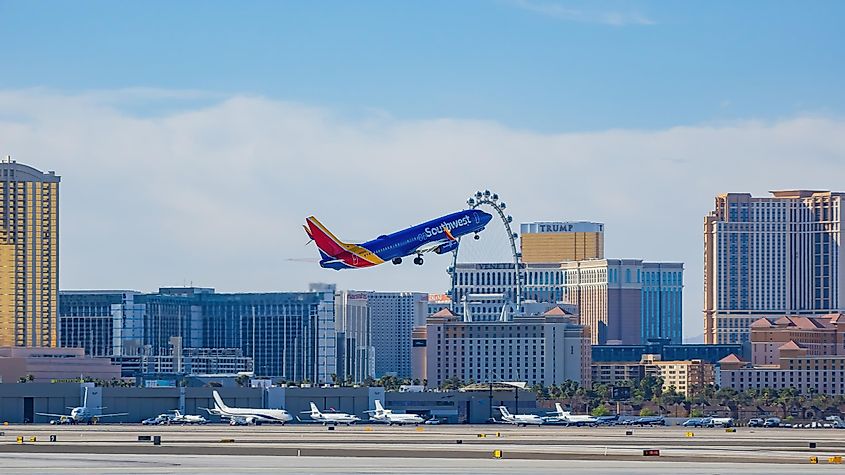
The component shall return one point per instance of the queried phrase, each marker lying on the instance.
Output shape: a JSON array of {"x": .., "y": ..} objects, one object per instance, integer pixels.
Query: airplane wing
[
  {"x": 112, "y": 415},
  {"x": 52, "y": 415}
]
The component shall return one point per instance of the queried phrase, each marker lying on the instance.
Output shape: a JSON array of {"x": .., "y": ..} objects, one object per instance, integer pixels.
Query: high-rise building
[
  {"x": 288, "y": 335},
  {"x": 353, "y": 327},
  {"x": 623, "y": 301},
  {"x": 86, "y": 321},
  {"x": 561, "y": 241},
  {"x": 29, "y": 256},
  {"x": 393, "y": 316},
  {"x": 769, "y": 257}
]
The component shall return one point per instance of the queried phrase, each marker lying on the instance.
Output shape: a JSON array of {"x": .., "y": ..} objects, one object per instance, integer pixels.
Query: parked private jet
[
  {"x": 334, "y": 418},
  {"x": 520, "y": 420},
  {"x": 388, "y": 417},
  {"x": 248, "y": 415},
  {"x": 81, "y": 413},
  {"x": 559, "y": 416}
]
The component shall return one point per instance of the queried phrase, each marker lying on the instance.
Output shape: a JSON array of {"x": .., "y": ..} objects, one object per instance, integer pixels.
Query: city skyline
[{"x": 191, "y": 156}]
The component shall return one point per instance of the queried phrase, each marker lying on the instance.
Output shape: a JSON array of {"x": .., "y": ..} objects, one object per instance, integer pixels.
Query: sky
[{"x": 193, "y": 138}]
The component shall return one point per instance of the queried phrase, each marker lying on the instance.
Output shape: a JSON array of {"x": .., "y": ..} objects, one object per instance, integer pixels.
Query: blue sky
[
  {"x": 193, "y": 138},
  {"x": 535, "y": 64}
]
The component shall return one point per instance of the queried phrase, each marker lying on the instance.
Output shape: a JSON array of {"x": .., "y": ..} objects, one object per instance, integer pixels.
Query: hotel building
[
  {"x": 769, "y": 257},
  {"x": 29, "y": 256},
  {"x": 544, "y": 349},
  {"x": 807, "y": 374},
  {"x": 817, "y": 336},
  {"x": 542, "y": 242},
  {"x": 623, "y": 301}
]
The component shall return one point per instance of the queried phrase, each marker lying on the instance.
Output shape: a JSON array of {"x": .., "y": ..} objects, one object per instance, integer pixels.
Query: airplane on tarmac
[
  {"x": 81, "y": 413},
  {"x": 439, "y": 235},
  {"x": 247, "y": 415},
  {"x": 387, "y": 416},
  {"x": 567, "y": 418},
  {"x": 179, "y": 418},
  {"x": 331, "y": 417},
  {"x": 520, "y": 420}
]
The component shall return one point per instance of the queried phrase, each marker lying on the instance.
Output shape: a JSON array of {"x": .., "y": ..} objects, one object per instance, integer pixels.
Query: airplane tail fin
[
  {"x": 504, "y": 411},
  {"x": 327, "y": 242},
  {"x": 219, "y": 401},
  {"x": 379, "y": 407},
  {"x": 314, "y": 409},
  {"x": 559, "y": 408}
]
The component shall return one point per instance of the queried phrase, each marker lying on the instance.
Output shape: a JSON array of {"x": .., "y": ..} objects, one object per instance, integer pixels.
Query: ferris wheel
[{"x": 491, "y": 200}]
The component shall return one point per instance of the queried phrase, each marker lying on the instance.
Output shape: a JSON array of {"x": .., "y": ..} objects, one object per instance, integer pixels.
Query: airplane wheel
[
  {"x": 397, "y": 261},
  {"x": 418, "y": 261}
]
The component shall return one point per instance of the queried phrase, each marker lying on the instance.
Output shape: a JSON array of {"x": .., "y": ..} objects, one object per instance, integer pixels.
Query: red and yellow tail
[{"x": 352, "y": 255}]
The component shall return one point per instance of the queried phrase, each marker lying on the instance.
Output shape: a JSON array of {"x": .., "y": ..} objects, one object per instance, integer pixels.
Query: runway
[{"x": 426, "y": 449}]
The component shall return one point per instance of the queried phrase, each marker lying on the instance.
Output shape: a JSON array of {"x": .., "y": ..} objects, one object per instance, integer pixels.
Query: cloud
[
  {"x": 604, "y": 17},
  {"x": 216, "y": 193}
]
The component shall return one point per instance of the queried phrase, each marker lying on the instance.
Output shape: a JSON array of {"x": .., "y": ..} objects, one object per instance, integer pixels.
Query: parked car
[
  {"x": 772, "y": 422},
  {"x": 755, "y": 422},
  {"x": 696, "y": 422},
  {"x": 649, "y": 421}
]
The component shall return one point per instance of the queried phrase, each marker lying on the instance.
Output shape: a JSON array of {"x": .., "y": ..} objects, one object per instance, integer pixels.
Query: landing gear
[
  {"x": 397, "y": 261},
  {"x": 418, "y": 260},
  {"x": 476, "y": 237}
]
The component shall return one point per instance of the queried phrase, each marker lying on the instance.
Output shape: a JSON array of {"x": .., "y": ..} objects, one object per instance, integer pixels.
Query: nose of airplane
[{"x": 485, "y": 217}]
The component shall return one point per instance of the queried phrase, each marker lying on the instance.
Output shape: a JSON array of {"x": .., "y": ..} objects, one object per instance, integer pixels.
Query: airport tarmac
[{"x": 426, "y": 449}]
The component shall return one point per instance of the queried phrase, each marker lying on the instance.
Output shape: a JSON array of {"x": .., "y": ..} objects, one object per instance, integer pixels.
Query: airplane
[
  {"x": 439, "y": 235},
  {"x": 179, "y": 418},
  {"x": 81, "y": 413},
  {"x": 567, "y": 418},
  {"x": 387, "y": 416},
  {"x": 331, "y": 417},
  {"x": 520, "y": 420},
  {"x": 247, "y": 415}
]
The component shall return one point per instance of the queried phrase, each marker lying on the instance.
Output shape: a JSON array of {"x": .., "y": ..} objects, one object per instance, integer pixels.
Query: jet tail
[
  {"x": 379, "y": 407},
  {"x": 504, "y": 411},
  {"x": 314, "y": 409},
  {"x": 219, "y": 401},
  {"x": 327, "y": 242}
]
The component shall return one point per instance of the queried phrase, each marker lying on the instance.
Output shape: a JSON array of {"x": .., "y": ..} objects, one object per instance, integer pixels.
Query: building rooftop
[{"x": 731, "y": 358}]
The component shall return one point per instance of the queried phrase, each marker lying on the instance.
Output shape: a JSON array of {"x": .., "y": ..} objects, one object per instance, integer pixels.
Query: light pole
[{"x": 490, "y": 375}]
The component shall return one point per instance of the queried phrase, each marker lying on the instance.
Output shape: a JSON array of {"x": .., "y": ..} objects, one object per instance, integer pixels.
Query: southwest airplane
[{"x": 438, "y": 235}]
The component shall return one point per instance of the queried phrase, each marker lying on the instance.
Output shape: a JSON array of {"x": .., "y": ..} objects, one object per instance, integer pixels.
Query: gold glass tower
[
  {"x": 29, "y": 255},
  {"x": 547, "y": 242}
]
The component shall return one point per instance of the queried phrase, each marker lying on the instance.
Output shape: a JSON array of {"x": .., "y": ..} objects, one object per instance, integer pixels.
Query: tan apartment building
[
  {"x": 29, "y": 256},
  {"x": 684, "y": 376},
  {"x": 765, "y": 257}
]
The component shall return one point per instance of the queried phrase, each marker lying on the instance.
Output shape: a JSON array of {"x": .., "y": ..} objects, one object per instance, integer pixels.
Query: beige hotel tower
[{"x": 29, "y": 255}]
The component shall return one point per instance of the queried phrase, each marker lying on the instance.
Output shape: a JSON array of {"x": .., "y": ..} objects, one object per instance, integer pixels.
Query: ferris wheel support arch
[{"x": 487, "y": 198}]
